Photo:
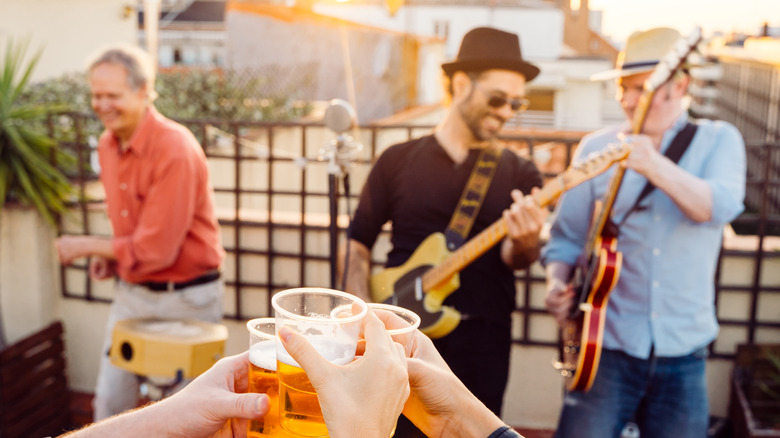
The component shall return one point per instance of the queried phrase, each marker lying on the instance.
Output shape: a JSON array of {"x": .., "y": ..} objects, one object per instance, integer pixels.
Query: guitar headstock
[
  {"x": 667, "y": 66},
  {"x": 673, "y": 59},
  {"x": 595, "y": 163}
]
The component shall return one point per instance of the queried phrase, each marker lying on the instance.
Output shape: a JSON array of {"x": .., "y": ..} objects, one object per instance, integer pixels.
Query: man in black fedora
[{"x": 418, "y": 186}]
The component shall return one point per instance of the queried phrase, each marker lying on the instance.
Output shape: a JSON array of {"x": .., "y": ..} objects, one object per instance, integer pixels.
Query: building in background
[
  {"x": 68, "y": 32},
  {"x": 747, "y": 94},
  {"x": 749, "y": 87},
  {"x": 191, "y": 33},
  {"x": 316, "y": 57},
  {"x": 566, "y": 42}
]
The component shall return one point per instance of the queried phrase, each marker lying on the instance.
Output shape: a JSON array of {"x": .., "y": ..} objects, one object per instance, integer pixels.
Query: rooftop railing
[{"x": 274, "y": 205}]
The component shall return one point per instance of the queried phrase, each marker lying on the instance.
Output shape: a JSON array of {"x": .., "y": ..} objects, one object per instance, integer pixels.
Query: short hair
[{"x": 133, "y": 59}]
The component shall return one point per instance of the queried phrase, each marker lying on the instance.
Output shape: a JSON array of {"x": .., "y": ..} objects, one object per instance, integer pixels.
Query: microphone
[
  {"x": 339, "y": 117},
  {"x": 343, "y": 150}
]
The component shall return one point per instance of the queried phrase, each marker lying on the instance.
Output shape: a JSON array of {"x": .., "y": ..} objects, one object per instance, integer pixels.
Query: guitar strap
[
  {"x": 473, "y": 195},
  {"x": 674, "y": 152}
]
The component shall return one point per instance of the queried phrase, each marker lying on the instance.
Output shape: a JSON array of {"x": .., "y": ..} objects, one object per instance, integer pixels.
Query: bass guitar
[
  {"x": 582, "y": 336},
  {"x": 431, "y": 273}
]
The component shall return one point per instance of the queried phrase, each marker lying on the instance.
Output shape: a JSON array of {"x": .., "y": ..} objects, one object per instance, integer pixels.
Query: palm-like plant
[{"x": 27, "y": 174}]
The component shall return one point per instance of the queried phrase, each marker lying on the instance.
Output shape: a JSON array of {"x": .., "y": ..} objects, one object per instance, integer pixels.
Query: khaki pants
[{"x": 117, "y": 390}]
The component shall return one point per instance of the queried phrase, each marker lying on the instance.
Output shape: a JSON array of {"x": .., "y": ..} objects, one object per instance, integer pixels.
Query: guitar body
[
  {"x": 402, "y": 286},
  {"x": 582, "y": 337}
]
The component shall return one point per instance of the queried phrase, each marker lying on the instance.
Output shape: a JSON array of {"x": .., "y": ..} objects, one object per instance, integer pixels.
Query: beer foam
[
  {"x": 263, "y": 355},
  {"x": 336, "y": 351}
]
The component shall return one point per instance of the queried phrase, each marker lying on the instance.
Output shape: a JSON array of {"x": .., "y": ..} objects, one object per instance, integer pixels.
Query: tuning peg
[
  {"x": 573, "y": 349},
  {"x": 586, "y": 307},
  {"x": 695, "y": 35},
  {"x": 566, "y": 370}
]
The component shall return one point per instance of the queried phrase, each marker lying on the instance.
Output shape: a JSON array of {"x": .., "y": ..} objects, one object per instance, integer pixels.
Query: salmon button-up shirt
[{"x": 160, "y": 203}]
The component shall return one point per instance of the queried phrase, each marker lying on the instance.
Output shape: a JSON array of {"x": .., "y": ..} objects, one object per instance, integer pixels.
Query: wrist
[
  {"x": 355, "y": 429},
  {"x": 524, "y": 255},
  {"x": 658, "y": 169},
  {"x": 359, "y": 420},
  {"x": 505, "y": 432},
  {"x": 474, "y": 420},
  {"x": 525, "y": 244}
]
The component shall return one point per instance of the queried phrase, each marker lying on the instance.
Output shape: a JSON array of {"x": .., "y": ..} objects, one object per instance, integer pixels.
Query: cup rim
[
  {"x": 250, "y": 325},
  {"x": 392, "y": 308},
  {"x": 298, "y": 290}
]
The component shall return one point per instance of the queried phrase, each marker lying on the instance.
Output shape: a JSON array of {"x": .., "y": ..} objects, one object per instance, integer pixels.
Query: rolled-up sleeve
[{"x": 725, "y": 173}]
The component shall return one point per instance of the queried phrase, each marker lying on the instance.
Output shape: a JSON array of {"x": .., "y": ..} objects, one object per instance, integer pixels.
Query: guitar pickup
[
  {"x": 418, "y": 289},
  {"x": 586, "y": 307}
]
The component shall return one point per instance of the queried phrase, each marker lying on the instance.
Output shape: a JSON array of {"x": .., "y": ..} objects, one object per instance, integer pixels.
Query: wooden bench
[{"x": 34, "y": 397}]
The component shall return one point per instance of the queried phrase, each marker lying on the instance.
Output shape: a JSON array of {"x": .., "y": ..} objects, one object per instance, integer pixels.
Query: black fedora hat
[{"x": 486, "y": 48}]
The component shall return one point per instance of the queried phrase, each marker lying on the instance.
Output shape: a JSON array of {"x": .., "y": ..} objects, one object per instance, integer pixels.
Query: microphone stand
[
  {"x": 333, "y": 198},
  {"x": 340, "y": 153}
]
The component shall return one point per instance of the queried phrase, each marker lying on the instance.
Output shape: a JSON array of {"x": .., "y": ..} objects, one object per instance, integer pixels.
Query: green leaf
[
  {"x": 4, "y": 179},
  {"x": 31, "y": 192},
  {"x": 26, "y": 170}
]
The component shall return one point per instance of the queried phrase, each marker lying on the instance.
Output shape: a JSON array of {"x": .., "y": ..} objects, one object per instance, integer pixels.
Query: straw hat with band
[
  {"x": 486, "y": 48},
  {"x": 643, "y": 51}
]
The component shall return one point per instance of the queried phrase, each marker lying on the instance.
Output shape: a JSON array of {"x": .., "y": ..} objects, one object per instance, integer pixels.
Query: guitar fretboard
[{"x": 488, "y": 237}]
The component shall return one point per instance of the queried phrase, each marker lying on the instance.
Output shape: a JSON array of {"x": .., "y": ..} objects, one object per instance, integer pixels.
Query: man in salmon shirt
[{"x": 166, "y": 249}]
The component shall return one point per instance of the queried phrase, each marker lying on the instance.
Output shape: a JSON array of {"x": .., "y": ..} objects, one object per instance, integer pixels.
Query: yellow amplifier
[{"x": 162, "y": 347}]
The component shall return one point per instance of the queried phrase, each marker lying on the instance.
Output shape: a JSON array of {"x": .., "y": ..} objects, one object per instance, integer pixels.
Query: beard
[{"x": 474, "y": 114}]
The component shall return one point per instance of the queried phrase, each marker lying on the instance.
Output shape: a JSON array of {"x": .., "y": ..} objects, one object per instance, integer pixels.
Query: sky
[{"x": 621, "y": 17}]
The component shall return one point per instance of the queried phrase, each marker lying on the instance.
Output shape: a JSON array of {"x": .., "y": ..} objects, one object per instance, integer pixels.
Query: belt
[{"x": 166, "y": 286}]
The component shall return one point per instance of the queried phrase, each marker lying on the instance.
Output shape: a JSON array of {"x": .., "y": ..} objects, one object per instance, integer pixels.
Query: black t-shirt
[{"x": 416, "y": 186}]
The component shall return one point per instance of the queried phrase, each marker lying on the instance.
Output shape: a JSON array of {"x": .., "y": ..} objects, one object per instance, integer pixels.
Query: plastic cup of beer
[
  {"x": 262, "y": 376},
  {"x": 330, "y": 320},
  {"x": 400, "y": 323}
]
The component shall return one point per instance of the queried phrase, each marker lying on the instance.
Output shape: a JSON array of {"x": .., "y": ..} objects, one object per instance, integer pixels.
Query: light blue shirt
[{"x": 665, "y": 292}]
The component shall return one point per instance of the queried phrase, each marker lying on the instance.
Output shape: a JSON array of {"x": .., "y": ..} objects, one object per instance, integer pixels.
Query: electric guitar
[
  {"x": 582, "y": 335},
  {"x": 431, "y": 273}
]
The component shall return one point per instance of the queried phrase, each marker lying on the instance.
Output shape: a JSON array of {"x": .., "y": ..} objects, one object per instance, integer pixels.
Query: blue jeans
[{"x": 665, "y": 396}]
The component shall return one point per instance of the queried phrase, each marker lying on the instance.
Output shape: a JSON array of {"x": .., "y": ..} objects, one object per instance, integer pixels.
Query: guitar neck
[
  {"x": 466, "y": 254},
  {"x": 485, "y": 240},
  {"x": 597, "y": 229}
]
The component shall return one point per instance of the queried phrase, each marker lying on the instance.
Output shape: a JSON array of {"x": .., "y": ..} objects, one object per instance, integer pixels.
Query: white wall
[
  {"x": 540, "y": 30},
  {"x": 28, "y": 282},
  {"x": 310, "y": 57},
  {"x": 580, "y": 104},
  {"x": 68, "y": 31}
]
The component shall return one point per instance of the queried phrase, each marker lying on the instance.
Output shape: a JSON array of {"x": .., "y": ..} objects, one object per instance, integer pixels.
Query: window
[{"x": 441, "y": 28}]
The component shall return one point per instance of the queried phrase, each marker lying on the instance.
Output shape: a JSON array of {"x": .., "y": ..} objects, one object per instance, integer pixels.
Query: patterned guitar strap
[{"x": 473, "y": 195}]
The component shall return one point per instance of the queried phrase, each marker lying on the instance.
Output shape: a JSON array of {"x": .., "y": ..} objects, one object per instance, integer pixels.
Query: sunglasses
[{"x": 517, "y": 104}]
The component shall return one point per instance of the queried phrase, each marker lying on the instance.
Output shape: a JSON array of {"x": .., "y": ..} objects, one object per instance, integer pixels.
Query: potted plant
[
  {"x": 29, "y": 175},
  {"x": 754, "y": 405},
  {"x": 28, "y": 157}
]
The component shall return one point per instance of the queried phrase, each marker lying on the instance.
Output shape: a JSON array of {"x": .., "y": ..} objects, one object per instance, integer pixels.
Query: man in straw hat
[
  {"x": 661, "y": 314},
  {"x": 417, "y": 186}
]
